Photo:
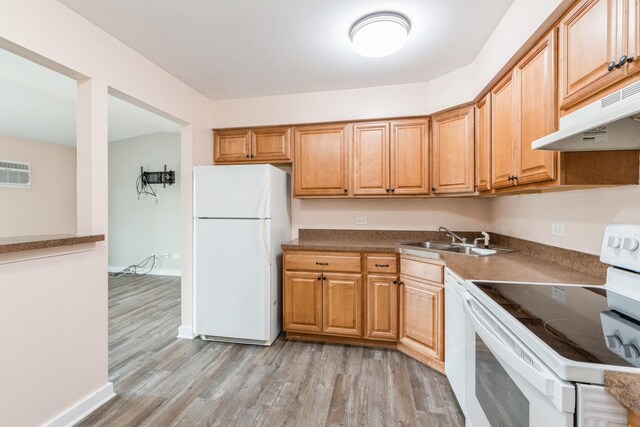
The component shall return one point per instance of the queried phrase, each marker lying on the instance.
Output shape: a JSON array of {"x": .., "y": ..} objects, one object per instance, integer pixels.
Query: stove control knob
[
  {"x": 630, "y": 351},
  {"x": 614, "y": 242},
  {"x": 630, "y": 244},
  {"x": 614, "y": 341}
]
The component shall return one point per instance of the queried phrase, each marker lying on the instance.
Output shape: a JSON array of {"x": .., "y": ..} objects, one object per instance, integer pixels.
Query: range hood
[{"x": 610, "y": 123}]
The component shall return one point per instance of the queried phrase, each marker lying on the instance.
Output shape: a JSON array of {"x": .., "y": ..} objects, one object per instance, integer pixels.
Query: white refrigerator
[{"x": 241, "y": 217}]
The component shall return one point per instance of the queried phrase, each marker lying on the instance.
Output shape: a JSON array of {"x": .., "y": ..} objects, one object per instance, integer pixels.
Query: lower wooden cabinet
[
  {"x": 342, "y": 304},
  {"x": 302, "y": 294},
  {"x": 372, "y": 306},
  {"x": 382, "y": 307},
  {"x": 422, "y": 310}
]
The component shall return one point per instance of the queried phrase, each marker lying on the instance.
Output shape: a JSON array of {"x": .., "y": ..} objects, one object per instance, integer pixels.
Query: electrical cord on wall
[
  {"x": 136, "y": 269},
  {"x": 143, "y": 187}
]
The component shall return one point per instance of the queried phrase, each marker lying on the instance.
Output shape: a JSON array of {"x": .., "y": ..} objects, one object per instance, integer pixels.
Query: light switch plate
[
  {"x": 557, "y": 229},
  {"x": 361, "y": 220}
]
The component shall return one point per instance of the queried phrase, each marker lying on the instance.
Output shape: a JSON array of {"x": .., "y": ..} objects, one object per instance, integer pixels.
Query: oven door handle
[{"x": 506, "y": 347}]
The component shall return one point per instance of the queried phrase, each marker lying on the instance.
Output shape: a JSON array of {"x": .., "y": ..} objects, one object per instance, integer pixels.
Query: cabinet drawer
[
  {"x": 323, "y": 261},
  {"x": 422, "y": 270},
  {"x": 382, "y": 264}
]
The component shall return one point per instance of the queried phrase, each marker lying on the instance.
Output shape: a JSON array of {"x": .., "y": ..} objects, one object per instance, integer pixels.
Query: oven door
[{"x": 506, "y": 385}]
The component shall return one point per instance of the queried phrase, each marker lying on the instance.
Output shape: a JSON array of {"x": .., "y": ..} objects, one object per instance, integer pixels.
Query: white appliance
[
  {"x": 610, "y": 123},
  {"x": 241, "y": 217},
  {"x": 536, "y": 353},
  {"x": 454, "y": 323}
]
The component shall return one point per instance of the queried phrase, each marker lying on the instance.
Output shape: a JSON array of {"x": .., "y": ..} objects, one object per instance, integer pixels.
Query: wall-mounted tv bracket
[{"x": 165, "y": 178}]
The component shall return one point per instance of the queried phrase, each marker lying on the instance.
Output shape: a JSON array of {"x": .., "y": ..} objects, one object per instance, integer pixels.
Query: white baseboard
[
  {"x": 84, "y": 408},
  {"x": 154, "y": 272},
  {"x": 186, "y": 332}
]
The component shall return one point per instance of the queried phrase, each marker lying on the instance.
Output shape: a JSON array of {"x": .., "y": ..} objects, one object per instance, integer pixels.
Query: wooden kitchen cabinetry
[
  {"x": 258, "y": 145},
  {"x": 422, "y": 310},
  {"x": 382, "y": 297},
  {"x": 321, "y": 161},
  {"x": 598, "y": 48},
  {"x": 483, "y": 145},
  {"x": 391, "y": 158},
  {"x": 453, "y": 151},
  {"x": 322, "y": 293},
  {"x": 523, "y": 109}
]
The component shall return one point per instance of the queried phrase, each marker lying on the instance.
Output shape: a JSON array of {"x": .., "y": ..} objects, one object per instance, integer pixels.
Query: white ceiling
[
  {"x": 243, "y": 48},
  {"x": 40, "y": 104}
]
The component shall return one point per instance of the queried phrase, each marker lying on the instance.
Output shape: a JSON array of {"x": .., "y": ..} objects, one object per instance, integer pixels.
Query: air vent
[
  {"x": 611, "y": 99},
  {"x": 15, "y": 174},
  {"x": 631, "y": 90}
]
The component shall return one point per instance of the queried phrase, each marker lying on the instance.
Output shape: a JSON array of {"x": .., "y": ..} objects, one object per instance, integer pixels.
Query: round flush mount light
[{"x": 379, "y": 34}]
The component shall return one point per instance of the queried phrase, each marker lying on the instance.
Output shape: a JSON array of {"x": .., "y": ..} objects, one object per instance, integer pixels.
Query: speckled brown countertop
[
  {"x": 29, "y": 243},
  {"x": 625, "y": 388},
  {"x": 532, "y": 262}
]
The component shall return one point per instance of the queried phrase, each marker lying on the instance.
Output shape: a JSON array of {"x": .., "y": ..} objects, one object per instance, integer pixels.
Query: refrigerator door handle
[{"x": 263, "y": 208}]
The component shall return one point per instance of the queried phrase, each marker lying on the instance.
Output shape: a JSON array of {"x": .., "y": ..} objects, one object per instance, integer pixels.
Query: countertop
[
  {"x": 29, "y": 243},
  {"x": 546, "y": 266},
  {"x": 625, "y": 388}
]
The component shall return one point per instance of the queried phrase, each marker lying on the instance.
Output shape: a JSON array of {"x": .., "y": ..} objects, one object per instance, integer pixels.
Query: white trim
[
  {"x": 154, "y": 272},
  {"x": 186, "y": 332},
  {"x": 84, "y": 408}
]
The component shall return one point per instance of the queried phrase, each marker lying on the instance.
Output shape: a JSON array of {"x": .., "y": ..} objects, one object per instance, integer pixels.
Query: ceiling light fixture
[{"x": 379, "y": 34}]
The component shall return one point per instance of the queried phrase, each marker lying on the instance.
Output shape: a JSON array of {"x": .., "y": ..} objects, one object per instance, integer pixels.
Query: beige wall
[
  {"x": 49, "y": 205},
  {"x": 401, "y": 214},
  {"x": 585, "y": 213}
]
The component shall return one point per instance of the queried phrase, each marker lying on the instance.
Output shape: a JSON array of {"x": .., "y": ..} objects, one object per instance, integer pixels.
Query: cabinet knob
[
  {"x": 388, "y": 190},
  {"x": 623, "y": 60},
  {"x": 433, "y": 188},
  {"x": 346, "y": 191},
  {"x": 248, "y": 156},
  {"x": 319, "y": 277},
  {"x": 612, "y": 66},
  {"x": 395, "y": 282},
  {"x": 393, "y": 190}
]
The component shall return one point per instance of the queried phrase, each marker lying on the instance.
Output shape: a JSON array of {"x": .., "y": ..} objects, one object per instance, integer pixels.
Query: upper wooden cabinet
[
  {"x": 390, "y": 158},
  {"x": 321, "y": 161},
  {"x": 371, "y": 159},
  {"x": 593, "y": 35},
  {"x": 259, "y": 145},
  {"x": 452, "y": 151},
  {"x": 231, "y": 146},
  {"x": 523, "y": 109},
  {"x": 535, "y": 75},
  {"x": 483, "y": 144}
]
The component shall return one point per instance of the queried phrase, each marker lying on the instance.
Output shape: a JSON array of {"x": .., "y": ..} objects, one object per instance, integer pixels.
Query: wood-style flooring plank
[{"x": 164, "y": 381}]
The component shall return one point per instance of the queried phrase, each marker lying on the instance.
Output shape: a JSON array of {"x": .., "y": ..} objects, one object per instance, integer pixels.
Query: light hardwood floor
[{"x": 164, "y": 381}]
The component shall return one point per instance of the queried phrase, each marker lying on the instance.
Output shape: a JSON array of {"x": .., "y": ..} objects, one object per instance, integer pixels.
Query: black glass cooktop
[{"x": 575, "y": 321}]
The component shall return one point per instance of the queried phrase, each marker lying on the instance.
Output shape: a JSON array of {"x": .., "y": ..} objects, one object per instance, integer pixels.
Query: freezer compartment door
[
  {"x": 235, "y": 191},
  {"x": 233, "y": 294}
]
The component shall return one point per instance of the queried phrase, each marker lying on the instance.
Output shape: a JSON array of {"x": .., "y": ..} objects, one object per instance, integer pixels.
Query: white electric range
[{"x": 535, "y": 354}]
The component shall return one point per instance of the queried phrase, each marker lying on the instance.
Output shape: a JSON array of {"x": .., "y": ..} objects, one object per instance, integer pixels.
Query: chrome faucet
[
  {"x": 453, "y": 236},
  {"x": 485, "y": 237}
]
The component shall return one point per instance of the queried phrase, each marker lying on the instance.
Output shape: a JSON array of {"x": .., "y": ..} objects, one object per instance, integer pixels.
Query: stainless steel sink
[{"x": 460, "y": 249}]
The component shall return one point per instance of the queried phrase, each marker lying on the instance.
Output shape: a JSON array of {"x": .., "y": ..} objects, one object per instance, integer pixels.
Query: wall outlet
[
  {"x": 557, "y": 229},
  {"x": 175, "y": 256},
  {"x": 557, "y": 294},
  {"x": 361, "y": 220}
]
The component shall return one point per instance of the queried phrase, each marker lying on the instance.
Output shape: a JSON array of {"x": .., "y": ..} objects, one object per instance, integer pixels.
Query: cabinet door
[
  {"x": 452, "y": 151},
  {"x": 422, "y": 317},
  {"x": 483, "y": 144},
  {"x": 382, "y": 307},
  {"x": 231, "y": 146},
  {"x": 634, "y": 36},
  {"x": 371, "y": 159},
  {"x": 410, "y": 157},
  {"x": 302, "y": 302},
  {"x": 503, "y": 132},
  {"x": 271, "y": 144},
  {"x": 342, "y": 304},
  {"x": 320, "y": 166},
  {"x": 537, "y": 114},
  {"x": 592, "y": 35}
]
